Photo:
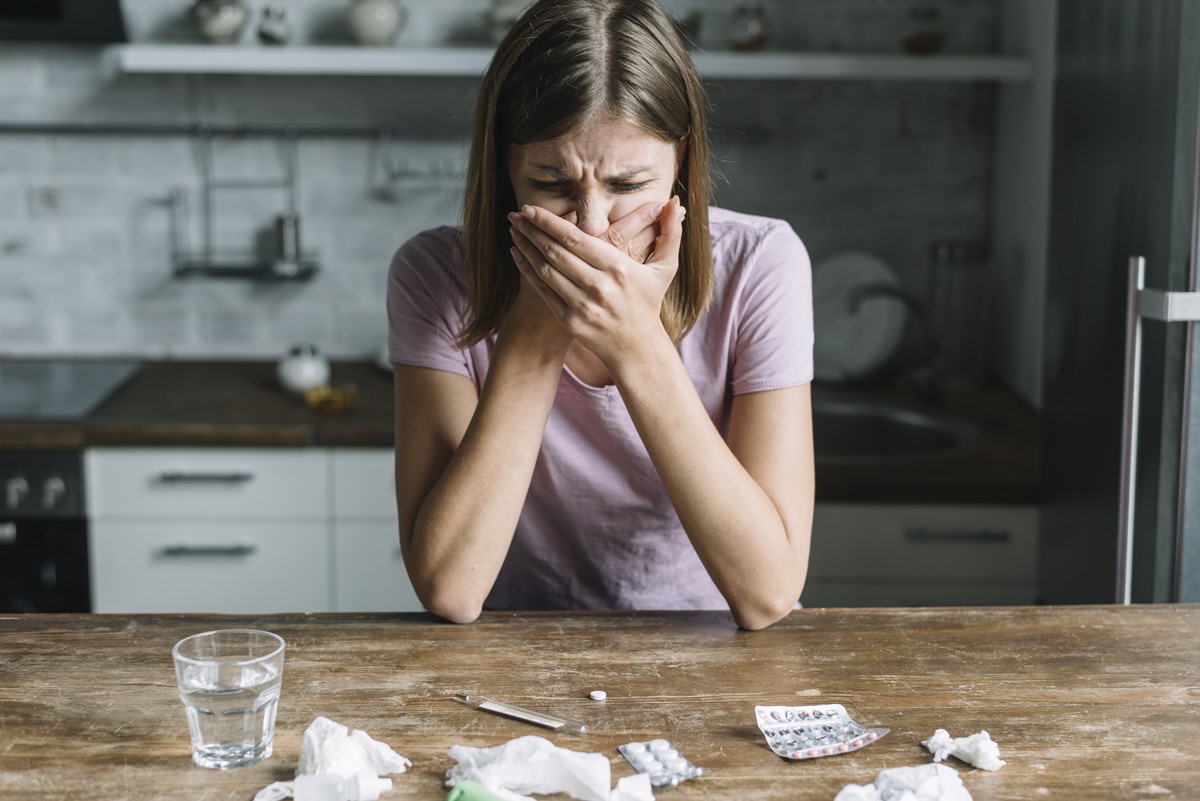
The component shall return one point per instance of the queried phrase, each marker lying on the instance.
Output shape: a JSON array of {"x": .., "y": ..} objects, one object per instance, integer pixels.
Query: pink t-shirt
[{"x": 598, "y": 530}]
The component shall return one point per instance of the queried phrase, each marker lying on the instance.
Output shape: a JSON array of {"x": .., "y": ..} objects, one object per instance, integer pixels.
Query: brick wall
[{"x": 85, "y": 266}]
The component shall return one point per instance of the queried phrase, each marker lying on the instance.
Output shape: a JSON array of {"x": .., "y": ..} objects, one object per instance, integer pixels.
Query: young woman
[{"x": 602, "y": 394}]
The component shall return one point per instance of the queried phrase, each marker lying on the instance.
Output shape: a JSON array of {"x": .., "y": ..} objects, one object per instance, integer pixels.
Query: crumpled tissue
[
  {"x": 533, "y": 764},
  {"x": 330, "y": 747},
  {"x": 979, "y": 749},
  {"x": 932, "y": 782}
]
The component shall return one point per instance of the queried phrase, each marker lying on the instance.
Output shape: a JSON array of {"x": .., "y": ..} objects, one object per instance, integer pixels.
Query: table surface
[{"x": 1085, "y": 702}]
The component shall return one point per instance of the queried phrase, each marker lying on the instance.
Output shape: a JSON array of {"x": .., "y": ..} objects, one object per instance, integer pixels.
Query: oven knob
[
  {"x": 14, "y": 490},
  {"x": 52, "y": 492}
]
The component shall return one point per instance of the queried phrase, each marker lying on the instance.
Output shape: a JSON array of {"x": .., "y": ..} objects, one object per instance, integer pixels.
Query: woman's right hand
[{"x": 634, "y": 235}]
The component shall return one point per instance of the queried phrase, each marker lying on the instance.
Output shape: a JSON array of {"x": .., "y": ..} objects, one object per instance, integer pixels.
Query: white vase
[{"x": 375, "y": 23}]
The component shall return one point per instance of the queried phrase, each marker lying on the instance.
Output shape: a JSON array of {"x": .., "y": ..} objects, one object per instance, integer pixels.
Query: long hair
[{"x": 564, "y": 63}]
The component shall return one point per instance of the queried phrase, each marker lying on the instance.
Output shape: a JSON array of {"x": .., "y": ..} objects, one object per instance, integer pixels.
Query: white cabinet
[
  {"x": 244, "y": 531},
  {"x": 370, "y": 570},
  {"x": 916, "y": 555},
  {"x": 208, "y": 530},
  {"x": 225, "y": 568}
]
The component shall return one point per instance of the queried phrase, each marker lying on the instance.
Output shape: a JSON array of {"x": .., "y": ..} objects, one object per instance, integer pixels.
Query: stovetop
[{"x": 59, "y": 389}]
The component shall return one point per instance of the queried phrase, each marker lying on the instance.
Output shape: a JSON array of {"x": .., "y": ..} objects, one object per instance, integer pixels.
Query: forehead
[{"x": 607, "y": 144}]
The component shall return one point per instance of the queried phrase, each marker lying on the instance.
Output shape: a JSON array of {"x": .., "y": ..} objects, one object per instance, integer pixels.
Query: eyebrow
[{"x": 557, "y": 172}]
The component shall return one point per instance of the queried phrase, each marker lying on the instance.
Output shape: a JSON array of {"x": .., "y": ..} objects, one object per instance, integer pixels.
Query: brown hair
[{"x": 563, "y": 63}]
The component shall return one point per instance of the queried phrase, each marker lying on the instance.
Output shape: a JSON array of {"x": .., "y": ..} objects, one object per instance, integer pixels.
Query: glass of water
[{"x": 229, "y": 681}]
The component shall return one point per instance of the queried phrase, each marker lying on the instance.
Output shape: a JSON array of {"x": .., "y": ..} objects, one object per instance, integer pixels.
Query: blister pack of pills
[
  {"x": 658, "y": 758},
  {"x": 808, "y": 732}
]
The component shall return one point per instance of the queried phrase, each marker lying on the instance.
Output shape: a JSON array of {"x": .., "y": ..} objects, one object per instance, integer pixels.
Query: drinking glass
[{"x": 229, "y": 681}]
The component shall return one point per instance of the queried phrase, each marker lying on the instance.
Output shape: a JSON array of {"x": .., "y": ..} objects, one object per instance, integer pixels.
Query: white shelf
[
  {"x": 471, "y": 61},
  {"x": 253, "y": 60}
]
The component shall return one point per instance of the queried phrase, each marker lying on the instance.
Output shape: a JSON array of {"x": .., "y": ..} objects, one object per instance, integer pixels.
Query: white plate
[{"x": 853, "y": 344}]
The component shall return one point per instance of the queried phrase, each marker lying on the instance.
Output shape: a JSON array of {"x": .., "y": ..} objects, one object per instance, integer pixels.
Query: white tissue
[
  {"x": 329, "y": 747},
  {"x": 535, "y": 765},
  {"x": 979, "y": 749},
  {"x": 931, "y": 782}
]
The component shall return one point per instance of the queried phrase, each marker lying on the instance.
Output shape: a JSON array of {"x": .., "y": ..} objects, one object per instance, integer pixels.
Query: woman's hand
[{"x": 597, "y": 288}]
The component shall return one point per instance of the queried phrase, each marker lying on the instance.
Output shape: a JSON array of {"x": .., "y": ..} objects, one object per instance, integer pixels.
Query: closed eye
[
  {"x": 552, "y": 186},
  {"x": 629, "y": 186}
]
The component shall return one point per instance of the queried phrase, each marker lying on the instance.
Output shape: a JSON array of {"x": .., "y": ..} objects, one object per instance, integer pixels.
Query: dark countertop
[{"x": 240, "y": 404}]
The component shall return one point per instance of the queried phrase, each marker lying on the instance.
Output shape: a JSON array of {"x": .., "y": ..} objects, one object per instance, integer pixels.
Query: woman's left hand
[{"x": 600, "y": 295}]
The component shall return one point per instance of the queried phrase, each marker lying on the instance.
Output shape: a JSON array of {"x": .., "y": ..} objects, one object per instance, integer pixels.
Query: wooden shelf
[{"x": 471, "y": 61}]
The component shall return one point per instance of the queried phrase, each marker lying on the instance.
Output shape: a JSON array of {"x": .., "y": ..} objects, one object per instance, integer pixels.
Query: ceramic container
[
  {"x": 274, "y": 28},
  {"x": 220, "y": 21},
  {"x": 375, "y": 23},
  {"x": 304, "y": 368}
]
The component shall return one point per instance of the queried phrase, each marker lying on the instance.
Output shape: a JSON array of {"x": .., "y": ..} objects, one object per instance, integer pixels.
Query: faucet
[{"x": 925, "y": 375}]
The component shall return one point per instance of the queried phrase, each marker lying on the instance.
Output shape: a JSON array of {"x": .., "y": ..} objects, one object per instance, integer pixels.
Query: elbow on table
[
  {"x": 758, "y": 613},
  {"x": 455, "y": 607}
]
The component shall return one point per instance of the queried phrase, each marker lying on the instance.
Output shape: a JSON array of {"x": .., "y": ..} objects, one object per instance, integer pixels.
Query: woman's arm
[
  {"x": 464, "y": 460},
  {"x": 746, "y": 503},
  {"x": 463, "y": 466}
]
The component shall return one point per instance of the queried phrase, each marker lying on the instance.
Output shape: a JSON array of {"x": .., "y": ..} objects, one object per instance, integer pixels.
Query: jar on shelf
[
  {"x": 274, "y": 28},
  {"x": 749, "y": 29},
  {"x": 220, "y": 21},
  {"x": 375, "y": 23}
]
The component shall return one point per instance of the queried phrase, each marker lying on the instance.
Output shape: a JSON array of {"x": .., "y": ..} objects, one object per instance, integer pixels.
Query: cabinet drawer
[
  {"x": 370, "y": 571},
  {"x": 212, "y": 483},
  {"x": 364, "y": 483},
  {"x": 942, "y": 543},
  {"x": 253, "y": 568}
]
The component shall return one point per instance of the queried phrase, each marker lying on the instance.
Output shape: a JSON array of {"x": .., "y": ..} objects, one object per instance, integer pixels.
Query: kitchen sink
[{"x": 852, "y": 429}]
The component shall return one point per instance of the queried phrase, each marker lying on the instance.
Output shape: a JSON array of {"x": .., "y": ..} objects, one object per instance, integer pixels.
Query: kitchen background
[{"x": 85, "y": 259}]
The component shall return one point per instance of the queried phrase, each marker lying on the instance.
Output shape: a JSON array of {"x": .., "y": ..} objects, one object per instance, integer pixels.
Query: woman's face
[{"x": 602, "y": 172}]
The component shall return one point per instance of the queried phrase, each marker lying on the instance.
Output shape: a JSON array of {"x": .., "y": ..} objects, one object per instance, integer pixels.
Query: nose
[{"x": 593, "y": 216}]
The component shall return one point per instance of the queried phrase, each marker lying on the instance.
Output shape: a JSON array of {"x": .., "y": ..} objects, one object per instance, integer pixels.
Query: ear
[{"x": 680, "y": 152}]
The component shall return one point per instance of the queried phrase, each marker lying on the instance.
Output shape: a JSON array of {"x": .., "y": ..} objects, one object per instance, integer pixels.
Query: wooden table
[{"x": 1085, "y": 702}]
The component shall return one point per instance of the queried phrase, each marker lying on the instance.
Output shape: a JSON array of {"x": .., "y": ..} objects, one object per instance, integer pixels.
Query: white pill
[
  {"x": 635, "y": 748},
  {"x": 597, "y": 695},
  {"x": 659, "y": 745}
]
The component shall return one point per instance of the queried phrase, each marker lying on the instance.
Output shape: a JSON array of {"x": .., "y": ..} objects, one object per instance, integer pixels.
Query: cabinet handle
[
  {"x": 208, "y": 550},
  {"x": 928, "y": 534},
  {"x": 204, "y": 478}
]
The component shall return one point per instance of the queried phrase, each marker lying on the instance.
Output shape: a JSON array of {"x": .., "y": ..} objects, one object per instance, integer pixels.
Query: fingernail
[
  {"x": 513, "y": 217},
  {"x": 513, "y": 233},
  {"x": 682, "y": 212},
  {"x": 528, "y": 211},
  {"x": 658, "y": 209}
]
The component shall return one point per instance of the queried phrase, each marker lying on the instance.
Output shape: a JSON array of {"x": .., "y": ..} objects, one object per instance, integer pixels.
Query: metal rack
[{"x": 287, "y": 263}]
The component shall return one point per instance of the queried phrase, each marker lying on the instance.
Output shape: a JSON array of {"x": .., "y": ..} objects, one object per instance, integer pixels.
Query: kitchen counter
[
  {"x": 1088, "y": 703},
  {"x": 240, "y": 404},
  {"x": 220, "y": 403}
]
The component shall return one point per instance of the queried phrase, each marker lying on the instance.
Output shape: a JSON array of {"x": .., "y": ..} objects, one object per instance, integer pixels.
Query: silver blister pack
[
  {"x": 661, "y": 760},
  {"x": 808, "y": 732}
]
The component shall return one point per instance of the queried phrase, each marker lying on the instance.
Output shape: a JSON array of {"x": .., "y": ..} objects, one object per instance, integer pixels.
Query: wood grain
[{"x": 1086, "y": 702}]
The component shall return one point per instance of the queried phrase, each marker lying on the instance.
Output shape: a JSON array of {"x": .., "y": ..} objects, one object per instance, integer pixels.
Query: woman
[{"x": 601, "y": 389}]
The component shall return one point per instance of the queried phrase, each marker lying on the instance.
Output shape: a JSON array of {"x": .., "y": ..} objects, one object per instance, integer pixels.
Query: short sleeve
[
  {"x": 774, "y": 345},
  {"x": 425, "y": 303}
]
